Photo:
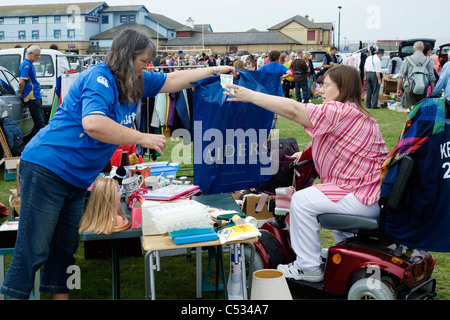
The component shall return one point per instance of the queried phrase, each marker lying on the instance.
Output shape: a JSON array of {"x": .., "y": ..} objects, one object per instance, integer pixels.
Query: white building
[{"x": 74, "y": 27}]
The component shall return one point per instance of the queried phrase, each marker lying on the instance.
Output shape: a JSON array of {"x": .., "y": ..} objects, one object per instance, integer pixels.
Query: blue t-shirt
[
  {"x": 275, "y": 67},
  {"x": 32, "y": 88},
  {"x": 64, "y": 147}
]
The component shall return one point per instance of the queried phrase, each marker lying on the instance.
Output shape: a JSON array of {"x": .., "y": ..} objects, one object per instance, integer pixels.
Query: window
[
  {"x": 21, "y": 20},
  {"x": 35, "y": 34},
  {"x": 9, "y": 84},
  {"x": 11, "y": 62},
  {"x": 57, "y": 19},
  {"x": 44, "y": 66},
  {"x": 35, "y": 20},
  {"x": 311, "y": 35},
  {"x": 22, "y": 35},
  {"x": 2, "y": 35},
  {"x": 105, "y": 19},
  {"x": 131, "y": 18},
  {"x": 71, "y": 33},
  {"x": 2, "y": 20},
  {"x": 57, "y": 34},
  {"x": 123, "y": 19}
]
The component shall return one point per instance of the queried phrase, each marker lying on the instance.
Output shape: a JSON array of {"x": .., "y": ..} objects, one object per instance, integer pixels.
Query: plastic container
[{"x": 165, "y": 170}]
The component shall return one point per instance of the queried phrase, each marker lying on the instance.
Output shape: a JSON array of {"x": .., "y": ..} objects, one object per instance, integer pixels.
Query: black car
[
  {"x": 10, "y": 103},
  {"x": 405, "y": 48}
]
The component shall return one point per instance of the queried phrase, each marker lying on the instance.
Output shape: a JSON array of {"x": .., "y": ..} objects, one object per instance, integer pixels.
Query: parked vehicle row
[{"x": 49, "y": 67}]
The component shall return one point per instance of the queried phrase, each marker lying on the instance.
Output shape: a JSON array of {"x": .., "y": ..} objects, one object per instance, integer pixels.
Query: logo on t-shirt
[{"x": 103, "y": 81}]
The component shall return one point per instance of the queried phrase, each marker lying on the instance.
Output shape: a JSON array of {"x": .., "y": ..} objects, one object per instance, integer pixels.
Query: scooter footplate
[{"x": 306, "y": 284}]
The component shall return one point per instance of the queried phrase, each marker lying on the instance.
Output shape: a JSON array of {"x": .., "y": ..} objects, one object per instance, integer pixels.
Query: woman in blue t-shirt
[{"x": 65, "y": 157}]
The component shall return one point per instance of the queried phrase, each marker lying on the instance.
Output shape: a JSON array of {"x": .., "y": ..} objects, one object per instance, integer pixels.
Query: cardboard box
[
  {"x": 14, "y": 203},
  {"x": 384, "y": 97},
  {"x": 251, "y": 202},
  {"x": 389, "y": 85},
  {"x": 10, "y": 167}
]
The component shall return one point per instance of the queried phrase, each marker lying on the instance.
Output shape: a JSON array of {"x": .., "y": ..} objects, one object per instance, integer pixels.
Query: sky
[{"x": 360, "y": 20}]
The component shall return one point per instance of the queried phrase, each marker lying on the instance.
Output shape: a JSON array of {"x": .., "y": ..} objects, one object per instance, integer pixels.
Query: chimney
[
  {"x": 306, "y": 17},
  {"x": 190, "y": 23}
]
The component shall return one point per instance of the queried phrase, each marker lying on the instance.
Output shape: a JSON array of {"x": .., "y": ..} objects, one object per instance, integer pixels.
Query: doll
[{"x": 103, "y": 213}]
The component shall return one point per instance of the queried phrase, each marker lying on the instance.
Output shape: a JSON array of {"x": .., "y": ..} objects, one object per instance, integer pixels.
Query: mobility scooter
[{"x": 364, "y": 267}]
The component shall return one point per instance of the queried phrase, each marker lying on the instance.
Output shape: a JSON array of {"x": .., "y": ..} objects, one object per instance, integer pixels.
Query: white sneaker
[{"x": 291, "y": 271}]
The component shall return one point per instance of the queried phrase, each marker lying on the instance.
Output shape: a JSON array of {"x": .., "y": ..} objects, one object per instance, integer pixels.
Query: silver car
[{"x": 10, "y": 103}]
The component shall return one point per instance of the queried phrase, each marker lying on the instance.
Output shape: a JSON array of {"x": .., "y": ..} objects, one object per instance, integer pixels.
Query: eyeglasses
[{"x": 325, "y": 85}]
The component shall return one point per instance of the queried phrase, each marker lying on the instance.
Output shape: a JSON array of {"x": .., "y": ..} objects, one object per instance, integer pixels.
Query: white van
[{"x": 49, "y": 67}]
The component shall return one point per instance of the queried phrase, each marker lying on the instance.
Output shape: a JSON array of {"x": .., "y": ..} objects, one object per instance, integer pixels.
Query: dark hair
[
  {"x": 125, "y": 48},
  {"x": 426, "y": 47},
  {"x": 274, "y": 56},
  {"x": 348, "y": 81}
]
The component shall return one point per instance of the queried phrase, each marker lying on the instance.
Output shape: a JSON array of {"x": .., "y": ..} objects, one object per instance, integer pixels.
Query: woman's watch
[{"x": 215, "y": 70}]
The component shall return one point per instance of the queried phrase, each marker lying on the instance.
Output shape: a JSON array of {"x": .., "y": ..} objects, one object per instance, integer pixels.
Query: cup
[
  {"x": 155, "y": 182},
  {"x": 132, "y": 183}
]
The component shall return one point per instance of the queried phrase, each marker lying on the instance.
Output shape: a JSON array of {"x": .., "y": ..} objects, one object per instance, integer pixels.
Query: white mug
[
  {"x": 132, "y": 183},
  {"x": 155, "y": 182}
]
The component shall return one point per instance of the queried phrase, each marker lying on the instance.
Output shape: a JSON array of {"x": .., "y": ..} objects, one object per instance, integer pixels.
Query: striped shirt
[{"x": 348, "y": 151}]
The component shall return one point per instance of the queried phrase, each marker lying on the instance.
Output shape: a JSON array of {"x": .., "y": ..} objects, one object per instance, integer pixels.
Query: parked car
[
  {"x": 443, "y": 53},
  {"x": 10, "y": 103},
  {"x": 241, "y": 53},
  {"x": 49, "y": 67},
  {"x": 385, "y": 64},
  {"x": 317, "y": 60},
  {"x": 405, "y": 48}
]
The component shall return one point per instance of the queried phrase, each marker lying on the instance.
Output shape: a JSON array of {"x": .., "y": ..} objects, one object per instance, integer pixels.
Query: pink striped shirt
[{"x": 348, "y": 151}]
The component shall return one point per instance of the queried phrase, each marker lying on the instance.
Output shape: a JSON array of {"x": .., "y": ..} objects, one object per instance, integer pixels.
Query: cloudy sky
[{"x": 366, "y": 20}]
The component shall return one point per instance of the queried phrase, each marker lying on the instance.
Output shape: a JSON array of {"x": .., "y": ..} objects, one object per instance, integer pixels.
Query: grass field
[{"x": 176, "y": 279}]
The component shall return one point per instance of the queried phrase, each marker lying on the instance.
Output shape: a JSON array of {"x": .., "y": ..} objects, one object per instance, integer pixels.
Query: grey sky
[{"x": 366, "y": 20}]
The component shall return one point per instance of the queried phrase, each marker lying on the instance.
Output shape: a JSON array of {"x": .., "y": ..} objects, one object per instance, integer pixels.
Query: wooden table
[{"x": 155, "y": 243}]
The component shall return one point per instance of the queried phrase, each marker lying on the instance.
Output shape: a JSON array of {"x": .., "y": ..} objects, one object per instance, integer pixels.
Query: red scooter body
[{"x": 408, "y": 272}]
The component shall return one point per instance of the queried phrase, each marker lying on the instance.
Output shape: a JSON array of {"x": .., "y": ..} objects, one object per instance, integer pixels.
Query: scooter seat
[{"x": 347, "y": 222}]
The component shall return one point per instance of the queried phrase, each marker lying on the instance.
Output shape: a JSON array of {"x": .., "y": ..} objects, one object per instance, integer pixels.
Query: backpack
[
  {"x": 418, "y": 79},
  {"x": 13, "y": 136}
]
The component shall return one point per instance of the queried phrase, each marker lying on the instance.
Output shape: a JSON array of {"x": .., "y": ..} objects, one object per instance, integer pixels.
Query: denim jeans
[
  {"x": 303, "y": 85},
  {"x": 50, "y": 213}
]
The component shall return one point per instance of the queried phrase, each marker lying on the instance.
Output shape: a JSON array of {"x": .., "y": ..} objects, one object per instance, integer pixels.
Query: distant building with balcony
[{"x": 87, "y": 28}]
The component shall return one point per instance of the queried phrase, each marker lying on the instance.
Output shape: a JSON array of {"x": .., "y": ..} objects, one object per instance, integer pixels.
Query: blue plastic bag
[{"x": 230, "y": 138}]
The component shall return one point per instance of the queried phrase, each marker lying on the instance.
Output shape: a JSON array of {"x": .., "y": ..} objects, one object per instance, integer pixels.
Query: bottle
[{"x": 234, "y": 285}]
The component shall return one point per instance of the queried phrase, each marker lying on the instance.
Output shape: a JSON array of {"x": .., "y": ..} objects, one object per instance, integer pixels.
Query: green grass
[{"x": 176, "y": 280}]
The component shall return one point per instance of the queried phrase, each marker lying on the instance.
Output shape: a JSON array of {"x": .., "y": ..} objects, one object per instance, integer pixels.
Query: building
[
  {"x": 309, "y": 34},
  {"x": 87, "y": 28},
  {"x": 62, "y": 26}
]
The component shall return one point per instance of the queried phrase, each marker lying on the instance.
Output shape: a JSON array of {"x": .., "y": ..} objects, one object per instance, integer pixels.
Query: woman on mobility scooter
[{"x": 348, "y": 151}]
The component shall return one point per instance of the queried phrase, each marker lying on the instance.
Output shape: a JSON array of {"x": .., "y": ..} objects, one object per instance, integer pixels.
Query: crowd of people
[
  {"x": 299, "y": 77},
  {"x": 291, "y": 79}
]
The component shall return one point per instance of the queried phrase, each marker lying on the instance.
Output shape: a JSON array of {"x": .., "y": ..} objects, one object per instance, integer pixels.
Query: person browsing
[
  {"x": 348, "y": 151},
  {"x": 372, "y": 74},
  {"x": 29, "y": 88},
  {"x": 65, "y": 158}
]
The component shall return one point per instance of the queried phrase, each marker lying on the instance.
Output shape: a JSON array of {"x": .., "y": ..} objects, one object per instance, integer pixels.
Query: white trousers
[{"x": 306, "y": 205}]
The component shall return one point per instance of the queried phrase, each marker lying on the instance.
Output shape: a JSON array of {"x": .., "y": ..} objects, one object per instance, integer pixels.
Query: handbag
[{"x": 284, "y": 148}]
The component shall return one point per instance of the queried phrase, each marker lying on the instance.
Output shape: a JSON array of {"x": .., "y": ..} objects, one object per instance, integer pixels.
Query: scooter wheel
[
  {"x": 370, "y": 289},
  {"x": 273, "y": 249}
]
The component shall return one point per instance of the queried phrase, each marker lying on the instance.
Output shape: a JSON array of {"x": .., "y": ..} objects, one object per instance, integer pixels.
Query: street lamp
[{"x": 339, "y": 29}]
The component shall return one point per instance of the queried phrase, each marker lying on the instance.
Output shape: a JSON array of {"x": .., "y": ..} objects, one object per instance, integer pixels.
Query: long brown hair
[
  {"x": 349, "y": 83},
  {"x": 125, "y": 47}
]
